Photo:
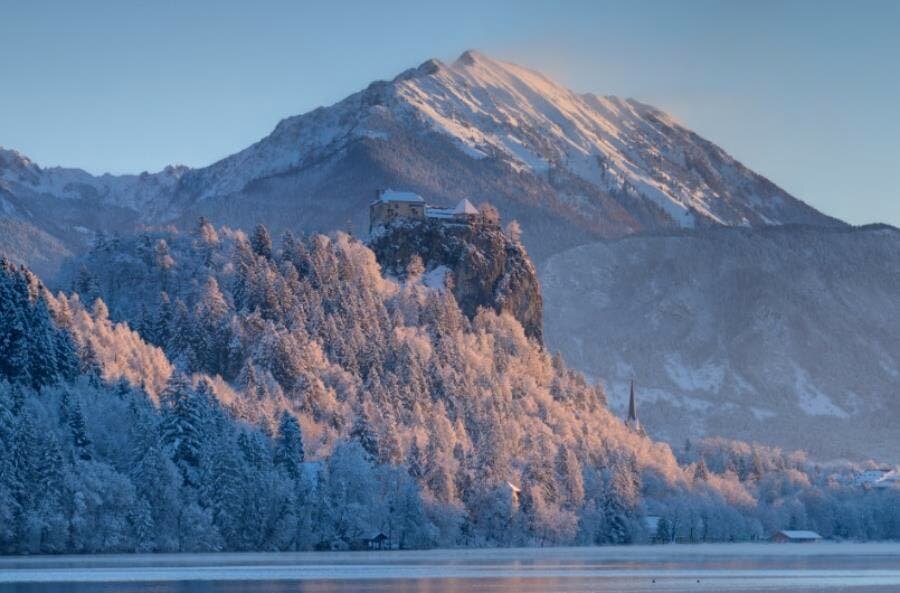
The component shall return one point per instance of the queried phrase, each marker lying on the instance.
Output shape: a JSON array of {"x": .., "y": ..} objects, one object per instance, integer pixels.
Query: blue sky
[{"x": 804, "y": 92}]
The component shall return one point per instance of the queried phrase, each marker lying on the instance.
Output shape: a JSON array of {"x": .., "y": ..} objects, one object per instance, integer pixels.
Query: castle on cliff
[{"x": 391, "y": 205}]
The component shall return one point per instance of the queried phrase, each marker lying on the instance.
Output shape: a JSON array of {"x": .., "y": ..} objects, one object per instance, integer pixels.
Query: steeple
[{"x": 633, "y": 421}]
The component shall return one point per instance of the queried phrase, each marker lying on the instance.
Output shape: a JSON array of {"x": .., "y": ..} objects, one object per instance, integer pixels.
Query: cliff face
[{"x": 487, "y": 268}]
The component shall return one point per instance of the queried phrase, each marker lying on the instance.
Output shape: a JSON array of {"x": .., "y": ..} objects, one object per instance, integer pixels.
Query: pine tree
[
  {"x": 11, "y": 486},
  {"x": 244, "y": 282},
  {"x": 362, "y": 433},
  {"x": 161, "y": 333},
  {"x": 568, "y": 471},
  {"x": 438, "y": 477},
  {"x": 221, "y": 488},
  {"x": 184, "y": 338},
  {"x": 88, "y": 363},
  {"x": 207, "y": 240},
  {"x": 158, "y": 481},
  {"x": 183, "y": 429},
  {"x": 414, "y": 463},
  {"x": 288, "y": 245},
  {"x": 80, "y": 439},
  {"x": 15, "y": 353},
  {"x": 289, "y": 445},
  {"x": 261, "y": 241},
  {"x": 142, "y": 527},
  {"x": 33, "y": 350},
  {"x": 212, "y": 337},
  {"x": 163, "y": 259},
  {"x": 85, "y": 285},
  {"x": 49, "y": 468},
  {"x": 701, "y": 474},
  {"x": 664, "y": 533}
]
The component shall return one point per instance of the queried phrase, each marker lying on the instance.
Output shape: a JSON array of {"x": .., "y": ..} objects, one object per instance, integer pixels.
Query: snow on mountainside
[
  {"x": 594, "y": 155},
  {"x": 787, "y": 336},
  {"x": 496, "y": 109},
  {"x": 47, "y": 214},
  {"x": 142, "y": 193},
  {"x": 572, "y": 168}
]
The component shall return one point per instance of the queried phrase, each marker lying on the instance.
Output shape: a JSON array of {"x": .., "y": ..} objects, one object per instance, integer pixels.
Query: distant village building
[
  {"x": 884, "y": 477},
  {"x": 391, "y": 205},
  {"x": 379, "y": 541},
  {"x": 889, "y": 480},
  {"x": 632, "y": 421},
  {"x": 795, "y": 537}
]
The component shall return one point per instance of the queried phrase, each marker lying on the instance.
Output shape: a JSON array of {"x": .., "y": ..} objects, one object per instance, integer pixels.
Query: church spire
[{"x": 633, "y": 421}]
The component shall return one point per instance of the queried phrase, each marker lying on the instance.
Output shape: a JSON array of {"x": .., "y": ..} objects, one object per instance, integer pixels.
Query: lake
[{"x": 736, "y": 568}]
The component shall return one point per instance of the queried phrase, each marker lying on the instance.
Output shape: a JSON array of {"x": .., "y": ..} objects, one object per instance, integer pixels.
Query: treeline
[{"x": 94, "y": 468}]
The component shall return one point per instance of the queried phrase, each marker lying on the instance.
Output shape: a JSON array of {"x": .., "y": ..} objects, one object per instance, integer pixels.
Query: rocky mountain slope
[
  {"x": 786, "y": 335},
  {"x": 571, "y": 168}
]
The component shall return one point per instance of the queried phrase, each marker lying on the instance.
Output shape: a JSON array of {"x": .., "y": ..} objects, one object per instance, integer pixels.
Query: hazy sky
[{"x": 806, "y": 93}]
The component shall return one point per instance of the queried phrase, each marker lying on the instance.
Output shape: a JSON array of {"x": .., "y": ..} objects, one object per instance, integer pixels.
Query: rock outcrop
[{"x": 484, "y": 266}]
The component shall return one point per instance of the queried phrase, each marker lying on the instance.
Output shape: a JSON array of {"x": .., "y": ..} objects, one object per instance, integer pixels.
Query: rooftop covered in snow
[
  {"x": 795, "y": 535},
  {"x": 465, "y": 207},
  {"x": 390, "y": 195}
]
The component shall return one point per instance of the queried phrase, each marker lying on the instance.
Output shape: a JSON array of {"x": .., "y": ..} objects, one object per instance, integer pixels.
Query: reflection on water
[{"x": 856, "y": 568}]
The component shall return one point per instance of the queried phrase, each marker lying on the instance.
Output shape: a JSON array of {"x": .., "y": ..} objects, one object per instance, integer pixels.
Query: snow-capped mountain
[
  {"x": 788, "y": 336},
  {"x": 572, "y": 168},
  {"x": 140, "y": 193},
  {"x": 47, "y": 214},
  {"x": 594, "y": 155}
]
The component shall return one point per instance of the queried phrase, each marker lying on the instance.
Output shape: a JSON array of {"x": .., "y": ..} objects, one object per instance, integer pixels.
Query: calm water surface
[{"x": 734, "y": 568}]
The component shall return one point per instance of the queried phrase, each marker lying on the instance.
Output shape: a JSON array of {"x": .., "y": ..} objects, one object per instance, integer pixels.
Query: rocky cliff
[{"x": 481, "y": 264}]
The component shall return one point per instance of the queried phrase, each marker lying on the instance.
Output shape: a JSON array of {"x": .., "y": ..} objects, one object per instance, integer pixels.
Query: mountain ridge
[
  {"x": 571, "y": 167},
  {"x": 783, "y": 334}
]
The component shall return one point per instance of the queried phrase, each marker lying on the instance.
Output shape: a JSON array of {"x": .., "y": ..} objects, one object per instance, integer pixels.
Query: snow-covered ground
[{"x": 704, "y": 567}]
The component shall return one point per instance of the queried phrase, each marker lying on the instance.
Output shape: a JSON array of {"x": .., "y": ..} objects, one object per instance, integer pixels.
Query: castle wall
[{"x": 381, "y": 213}]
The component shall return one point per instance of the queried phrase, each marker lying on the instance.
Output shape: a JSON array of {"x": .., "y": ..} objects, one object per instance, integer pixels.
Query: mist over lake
[{"x": 734, "y": 568}]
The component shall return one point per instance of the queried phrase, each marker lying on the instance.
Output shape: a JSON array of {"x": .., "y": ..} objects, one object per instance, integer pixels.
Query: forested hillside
[{"x": 209, "y": 391}]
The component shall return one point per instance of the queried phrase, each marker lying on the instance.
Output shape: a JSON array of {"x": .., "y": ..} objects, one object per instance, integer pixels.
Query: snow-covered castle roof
[
  {"x": 462, "y": 210},
  {"x": 392, "y": 204},
  {"x": 465, "y": 207},
  {"x": 390, "y": 195}
]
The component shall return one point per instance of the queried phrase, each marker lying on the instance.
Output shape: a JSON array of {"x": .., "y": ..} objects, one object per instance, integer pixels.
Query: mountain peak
[
  {"x": 426, "y": 68},
  {"x": 470, "y": 57},
  {"x": 12, "y": 158},
  {"x": 476, "y": 128}
]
